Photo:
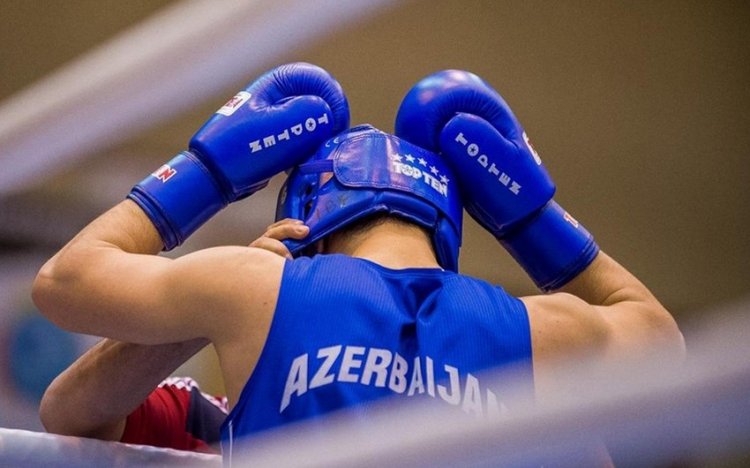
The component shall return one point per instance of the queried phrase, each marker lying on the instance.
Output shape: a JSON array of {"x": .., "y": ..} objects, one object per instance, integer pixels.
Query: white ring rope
[
  {"x": 169, "y": 62},
  {"x": 30, "y": 449}
]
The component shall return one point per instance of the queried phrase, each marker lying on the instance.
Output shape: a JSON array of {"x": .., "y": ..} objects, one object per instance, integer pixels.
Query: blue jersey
[{"x": 347, "y": 331}]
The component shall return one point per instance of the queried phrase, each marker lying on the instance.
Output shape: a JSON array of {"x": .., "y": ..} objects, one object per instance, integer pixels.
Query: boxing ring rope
[
  {"x": 167, "y": 63},
  {"x": 30, "y": 449}
]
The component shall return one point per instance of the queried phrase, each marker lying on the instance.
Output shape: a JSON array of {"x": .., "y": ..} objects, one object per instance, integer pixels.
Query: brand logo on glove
[
  {"x": 472, "y": 149},
  {"x": 433, "y": 178},
  {"x": 233, "y": 104},
  {"x": 567, "y": 217},
  {"x": 164, "y": 173},
  {"x": 534, "y": 154},
  {"x": 309, "y": 125}
]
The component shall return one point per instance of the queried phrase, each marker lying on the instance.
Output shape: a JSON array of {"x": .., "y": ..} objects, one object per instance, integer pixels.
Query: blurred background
[{"x": 638, "y": 109}]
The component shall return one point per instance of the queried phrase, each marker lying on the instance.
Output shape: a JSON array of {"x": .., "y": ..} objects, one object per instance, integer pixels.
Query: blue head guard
[{"x": 373, "y": 172}]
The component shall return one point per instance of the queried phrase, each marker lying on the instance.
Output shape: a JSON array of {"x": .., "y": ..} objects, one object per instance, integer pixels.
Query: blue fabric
[
  {"x": 552, "y": 247},
  {"x": 179, "y": 197},
  {"x": 347, "y": 331},
  {"x": 268, "y": 127}
]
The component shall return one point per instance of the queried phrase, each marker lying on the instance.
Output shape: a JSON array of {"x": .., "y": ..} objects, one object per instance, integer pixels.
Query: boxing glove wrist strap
[
  {"x": 552, "y": 247},
  {"x": 178, "y": 198}
]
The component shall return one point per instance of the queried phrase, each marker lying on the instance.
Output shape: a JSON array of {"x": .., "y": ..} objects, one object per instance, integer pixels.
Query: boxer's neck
[{"x": 393, "y": 245}]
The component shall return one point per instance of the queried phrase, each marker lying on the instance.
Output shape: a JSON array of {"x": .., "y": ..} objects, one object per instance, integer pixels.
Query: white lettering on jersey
[
  {"x": 380, "y": 367},
  {"x": 397, "y": 382},
  {"x": 416, "y": 385},
  {"x": 452, "y": 396},
  {"x": 377, "y": 363},
  {"x": 430, "y": 376},
  {"x": 296, "y": 381},
  {"x": 350, "y": 363},
  {"x": 322, "y": 377},
  {"x": 472, "y": 403}
]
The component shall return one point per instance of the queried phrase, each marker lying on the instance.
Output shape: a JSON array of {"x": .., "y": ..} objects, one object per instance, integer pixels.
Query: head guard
[{"x": 373, "y": 172}]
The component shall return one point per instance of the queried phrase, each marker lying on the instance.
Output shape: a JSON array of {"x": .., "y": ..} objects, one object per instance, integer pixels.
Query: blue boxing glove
[
  {"x": 267, "y": 128},
  {"x": 504, "y": 184}
]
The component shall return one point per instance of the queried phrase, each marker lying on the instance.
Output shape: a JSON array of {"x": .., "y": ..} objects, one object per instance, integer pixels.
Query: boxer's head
[{"x": 364, "y": 172}]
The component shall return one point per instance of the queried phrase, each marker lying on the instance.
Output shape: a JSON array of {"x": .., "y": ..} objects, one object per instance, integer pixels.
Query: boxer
[{"x": 372, "y": 304}]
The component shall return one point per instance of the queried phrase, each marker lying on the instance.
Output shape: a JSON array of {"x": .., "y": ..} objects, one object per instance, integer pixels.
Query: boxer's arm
[
  {"x": 604, "y": 311},
  {"x": 597, "y": 306},
  {"x": 178, "y": 415},
  {"x": 107, "y": 282},
  {"x": 95, "y": 395}
]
